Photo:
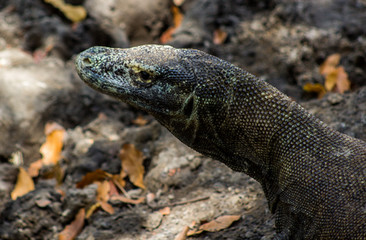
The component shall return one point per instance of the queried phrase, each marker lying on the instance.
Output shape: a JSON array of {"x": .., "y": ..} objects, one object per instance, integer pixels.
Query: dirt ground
[{"x": 282, "y": 41}]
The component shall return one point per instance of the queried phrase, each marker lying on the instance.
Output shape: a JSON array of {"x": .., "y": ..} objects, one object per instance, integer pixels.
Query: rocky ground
[{"x": 281, "y": 41}]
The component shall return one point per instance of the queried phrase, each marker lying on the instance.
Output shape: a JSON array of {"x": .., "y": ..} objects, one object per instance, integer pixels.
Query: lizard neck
[
  {"x": 250, "y": 127},
  {"x": 239, "y": 126}
]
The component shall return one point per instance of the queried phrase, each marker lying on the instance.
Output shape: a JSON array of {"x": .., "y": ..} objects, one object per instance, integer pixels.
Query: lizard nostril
[{"x": 87, "y": 61}]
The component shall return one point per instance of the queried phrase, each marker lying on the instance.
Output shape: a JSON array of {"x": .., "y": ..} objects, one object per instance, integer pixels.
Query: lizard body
[{"x": 314, "y": 178}]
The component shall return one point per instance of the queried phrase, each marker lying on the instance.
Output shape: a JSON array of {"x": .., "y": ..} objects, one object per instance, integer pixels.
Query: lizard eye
[
  {"x": 144, "y": 75},
  {"x": 140, "y": 76}
]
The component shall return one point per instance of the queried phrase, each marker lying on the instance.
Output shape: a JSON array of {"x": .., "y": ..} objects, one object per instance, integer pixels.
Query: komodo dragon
[{"x": 314, "y": 178}]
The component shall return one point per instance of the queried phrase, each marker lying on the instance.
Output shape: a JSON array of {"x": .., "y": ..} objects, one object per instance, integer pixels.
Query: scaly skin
[{"x": 314, "y": 177}]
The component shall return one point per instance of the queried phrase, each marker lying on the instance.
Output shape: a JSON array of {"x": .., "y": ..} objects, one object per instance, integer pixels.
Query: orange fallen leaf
[
  {"x": 132, "y": 160},
  {"x": 315, "y": 88},
  {"x": 102, "y": 197},
  {"x": 167, "y": 35},
  {"x": 106, "y": 207},
  {"x": 34, "y": 168},
  {"x": 329, "y": 64},
  {"x": 103, "y": 191},
  {"x": 73, "y": 13},
  {"x": 118, "y": 180},
  {"x": 219, "y": 36},
  {"x": 55, "y": 172},
  {"x": 193, "y": 223},
  {"x": 216, "y": 224},
  {"x": 177, "y": 16},
  {"x": 343, "y": 83},
  {"x": 92, "y": 209},
  {"x": 74, "y": 228},
  {"x": 140, "y": 121},
  {"x": 336, "y": 78},
  {"x": 220, "y": 223},
  {"x": 23, "y": 185},
  {"x": 51, "y": 149},
  {"x": 165, "y": 211},
  {"x": 127, "y": 200},
  {"x": 194, "y": 232},
  {"x": 331, "y": 80},
  {"x": 177, "y": 21},
  {"x": 91, "y": 177},
  {"x": 112, "y": 188},
  {"x": 183, "y": 234}
]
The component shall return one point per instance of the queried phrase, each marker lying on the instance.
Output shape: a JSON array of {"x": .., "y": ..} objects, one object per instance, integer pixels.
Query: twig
[{"x": 189, "y": 201}]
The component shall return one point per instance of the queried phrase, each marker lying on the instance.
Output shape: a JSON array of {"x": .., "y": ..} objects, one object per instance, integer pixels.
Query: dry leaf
[
  {"x": 336, "y": 78},
  {"x": 177, "y": 16},
  {"x": 92, "y": 209},
  {"x": 165, "y": 211},
  {"x": 73, "y": 13},
  {"x": 74, "y": 228},
  {"x": 103, "y": 196},
  {"x": 103, "y": 191},
  {"x": 329, "y": 64},
  {"x": 219, "y": 36},
  {"x": 119, "y": 182},
  {"x": 91, "y": 177},
  {"x": 315, "y": 88},
  {"x": 51, "y": 149},
  {"x": 118, "y": 179},
  {"x": 112, "y": 188},
  {"x": 194, "y": 232},
  {"x": 56, "y": 172},
  {"x": 107, "y": 207},
  {"x": 193, "y": 223},
  {"x": 183, "y": 234},
  {"x": 127, "y": 200},
  {"x": 331, "y": 80},
  {"x": 140, "y": 121},
  {"x": 220, "y": 223},
  {"x": 34, "y": 167},
  {"x": 24, "y": 184},
  {"x": 343, "y": 83},
  {"x": 167, "y": 35},
  {"x": 132, "y": 160},
  {"x": 177, "y": 21},
  {"x": 216, "y": 225}
]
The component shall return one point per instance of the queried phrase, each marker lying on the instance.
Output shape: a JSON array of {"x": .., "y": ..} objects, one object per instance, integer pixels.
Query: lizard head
[
  {"x": 152, "y": 77},
  {"x": 171, "y": 84}
]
